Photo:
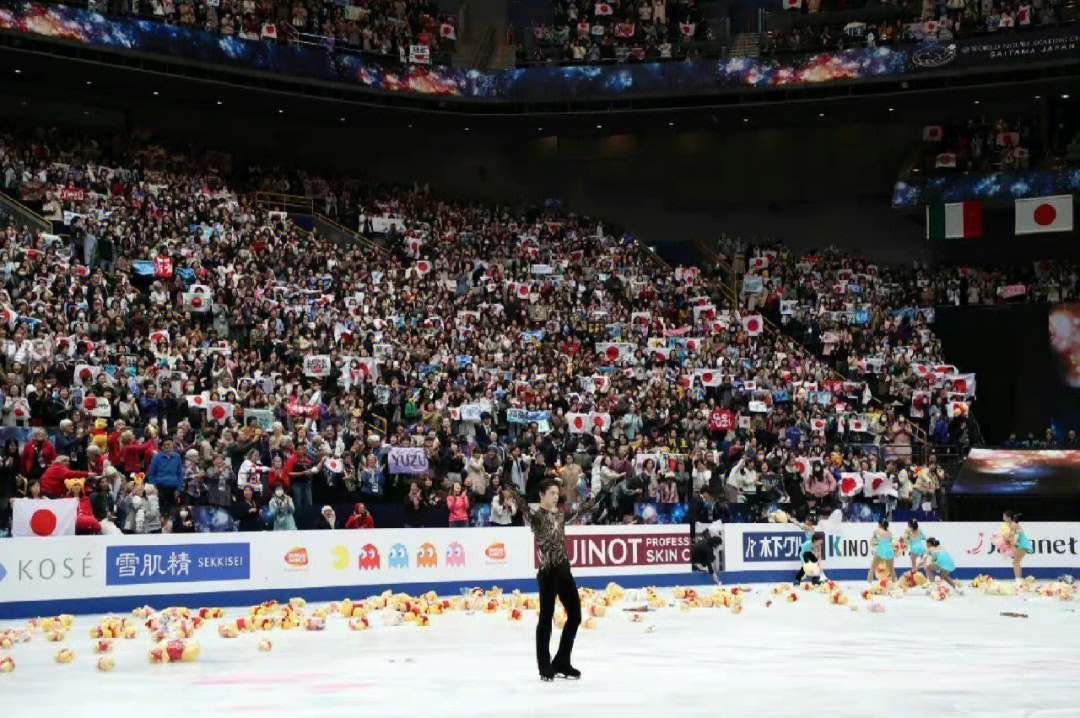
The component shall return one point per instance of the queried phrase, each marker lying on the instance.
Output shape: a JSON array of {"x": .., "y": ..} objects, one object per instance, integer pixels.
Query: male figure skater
[{"x": 554, "y": 577}]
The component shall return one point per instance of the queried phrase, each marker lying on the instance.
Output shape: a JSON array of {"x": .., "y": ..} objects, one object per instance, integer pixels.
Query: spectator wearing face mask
[{"x": 282, "y": 510}]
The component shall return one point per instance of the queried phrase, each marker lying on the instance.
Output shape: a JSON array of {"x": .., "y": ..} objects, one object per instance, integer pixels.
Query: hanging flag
[
  {"x": 269, "y": 31},
  {"x": 964, "y": 384},
  {"x": 933, "y": 133},
  {"x": 603, "y": 9},
  {"x": 688, "y": 28},
  {"x": 800, "y": 465},
  {"x": 955, "y": 220},
  {"x": 448, "y": 31},
  {"x": 1044, "y": 214},
  {"x": 43, "y": 517},
  {"x": 198, "y": 401},
  {"x": 946, "y": 160},
  {"x": 1023, "y": 15}
]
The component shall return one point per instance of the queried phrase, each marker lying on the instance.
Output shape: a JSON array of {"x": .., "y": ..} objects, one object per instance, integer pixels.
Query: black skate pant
[{"x": 556, "y": 581}]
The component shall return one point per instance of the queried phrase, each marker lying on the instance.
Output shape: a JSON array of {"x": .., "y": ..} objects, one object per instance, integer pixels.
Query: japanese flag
[
  {"x": 857, "y": 424},
  {"x": 753, "y": 324},
  {"x": 43, "y": 517},
  {"x": 335, "y": 465},
  {"x": 921, "y": 369},
  {"x": 161, "y": 336},
  {"x": 693, "y": 344},
  {"x": 422, "y": 267},
  {"x": 744, "y": 421},
  {"x": 448, "y": 31},
  {"x": 219, "y": 411},
  {"x": 704, "y": 313},
  {"x": 579, "y": 423},
  {"x": 817, "y": 426},
  {"x": 194, "y": 302},
  {"x": 661, "y": 354},
  {"x": 964, "y": 384},
  {"x": 877, "y": 483},
  {"x": 799, "y": 465},
  {"x": 1023, "y": 15},
  {"x": 759, "y": 262},
  {"x": 20, "y": 409},
  {"x": 97, "y": 406},
  {"x": 8, "y": 316},
  {"x": 602, "y": 420},
  {"x": 269, "y": 31},
  {"x": 603, "y": 9},
  {"x": 602, "y": 382},
  {"x": 851, "y": 483},
  {"x": 199, "y": 401},
  {"x": 919, "y": 401},
  {"x": 640, "y": 317},
  {"x": 613, "y": 351},
  {"x": 792, "y": 4},
  {"x": 709, "y": 377},
  {"x": 85, "y": 375}
]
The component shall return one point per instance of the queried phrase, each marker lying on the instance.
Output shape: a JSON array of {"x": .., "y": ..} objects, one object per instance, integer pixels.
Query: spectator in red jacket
[
  {"x": 360, "y": 519},
  {"x": 133, "y": 454},
  {"x": 458, "y": 504},
  {"x": 38, "y": 455},
  {"x": 52, "y": 481}
]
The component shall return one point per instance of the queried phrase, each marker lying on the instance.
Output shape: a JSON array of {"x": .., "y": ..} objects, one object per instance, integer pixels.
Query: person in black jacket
[
  {"x": 184, "y": 523},
  {"x": 247, "y": 512},
  {"x": 326, "y": 520}
]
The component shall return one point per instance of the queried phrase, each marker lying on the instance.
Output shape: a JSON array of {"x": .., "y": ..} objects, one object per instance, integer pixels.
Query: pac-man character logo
[
  {"x": 398, "y": 557},
  {"x": 369, "y": 557},
  {"x": 426, "y": 556},
  {"x": 455, "y": 554},
  {"x": 341, "y": 558},
  {"x": 496, "y": 552}
]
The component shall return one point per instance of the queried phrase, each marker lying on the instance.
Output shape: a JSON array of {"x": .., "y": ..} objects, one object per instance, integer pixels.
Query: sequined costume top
[{"x": 549, "y": 528}]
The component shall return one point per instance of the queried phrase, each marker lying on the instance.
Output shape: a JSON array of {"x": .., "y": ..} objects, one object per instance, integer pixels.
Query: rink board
[
  {"x": 771, "y": 551},
  {"x": 93, "y": 574}
]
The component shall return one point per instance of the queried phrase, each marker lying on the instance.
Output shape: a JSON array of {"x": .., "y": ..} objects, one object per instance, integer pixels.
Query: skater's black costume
[{"x": 555, "y": 579}]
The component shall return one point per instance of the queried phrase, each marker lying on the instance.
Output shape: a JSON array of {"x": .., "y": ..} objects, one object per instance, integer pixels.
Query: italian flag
[{"x": 956, "y": 220}]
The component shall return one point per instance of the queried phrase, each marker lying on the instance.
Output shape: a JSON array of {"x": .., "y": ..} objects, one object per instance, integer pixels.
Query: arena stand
[{"x": 167, "y": 307}]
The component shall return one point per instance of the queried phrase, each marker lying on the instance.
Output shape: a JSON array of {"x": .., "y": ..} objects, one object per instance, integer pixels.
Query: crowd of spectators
[
  {"x": 204, "y": 360},
  {"x": 589, "y": 32},
  {"x": 979, "y": 146},
  {"x": 384, "y": 27},
  {"x": 906, "y": 21}
]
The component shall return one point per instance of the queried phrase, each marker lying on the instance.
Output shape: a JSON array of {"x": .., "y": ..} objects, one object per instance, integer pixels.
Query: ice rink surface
[{"x": 959, "y": 657}]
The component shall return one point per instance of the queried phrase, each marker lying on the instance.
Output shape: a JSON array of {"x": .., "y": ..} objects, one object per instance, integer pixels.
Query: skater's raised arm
[
  {"x": 523, "y": 505},
  {"x": 589, "y": 505}
]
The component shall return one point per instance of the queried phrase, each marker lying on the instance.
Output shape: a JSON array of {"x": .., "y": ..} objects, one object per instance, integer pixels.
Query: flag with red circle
[
  {"x": 97, "y": 406},
  {"x": 85, "y": 374},
  {"x": 219, "y": 411},
  {"x": 198, "y": 401},
  {"x": 43, "y": 517},
  {"x": 193, "y": 302},
  {"x": 753, "y": 324},
  {"x": 614, "y": 352},
  {"x": 599, "y": 420},
  {"x": 877, "y": 483},
  {"x": 920, "y": 400},
  {"x": 578, "y": 422},
  {"x": 1044, "y": 214},
  {"x": 851, "y": 483},
  {"x": 709, "y": 377}
]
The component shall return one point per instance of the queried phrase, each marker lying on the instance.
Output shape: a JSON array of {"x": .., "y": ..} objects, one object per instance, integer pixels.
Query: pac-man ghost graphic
[
  {"x": 398, "y": 556},
  {"x": 426, "y": 556},
  {"x": 455, "y": 554},
  {"x": 369, "y": 557}
]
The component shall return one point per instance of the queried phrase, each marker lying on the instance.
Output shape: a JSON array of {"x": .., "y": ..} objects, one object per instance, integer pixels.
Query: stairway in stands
[{"x": 745, "y": 45}]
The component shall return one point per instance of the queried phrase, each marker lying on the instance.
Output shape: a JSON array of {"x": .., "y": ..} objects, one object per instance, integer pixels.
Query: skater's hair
[
  {"x": 884, "y": 523},
  {"x": 932, "y": 542},
  {"x": 913, "y": 524},
  {"x": 547, "y": 484},
  {"x": 1012, "y": 516},
  {"x": 818, "y": 536}
]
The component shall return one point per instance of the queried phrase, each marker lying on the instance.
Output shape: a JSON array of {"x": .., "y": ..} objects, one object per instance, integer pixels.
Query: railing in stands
[
  {"x": 29, "y": 216},
  {"x": 286, "y": 202},
  {"x": 353, "y": 233}
]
